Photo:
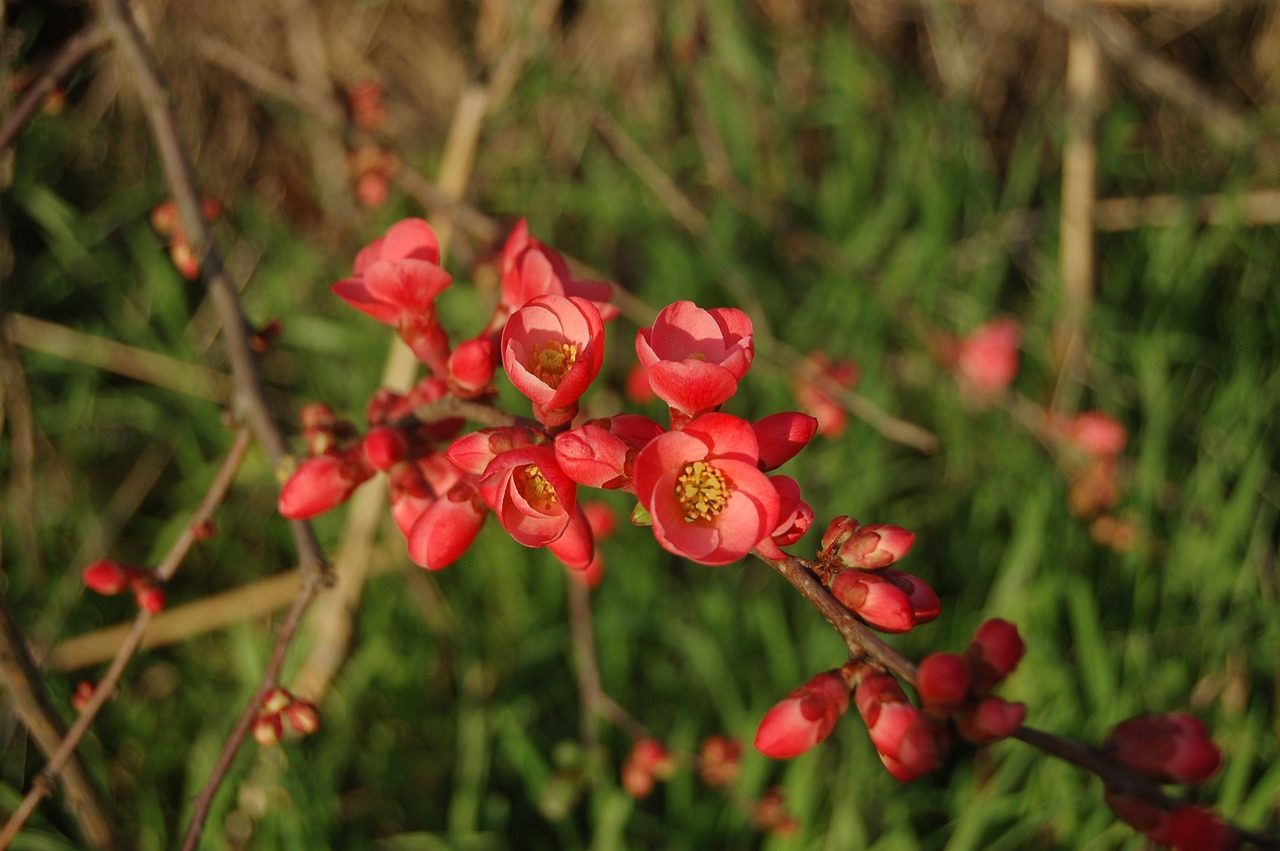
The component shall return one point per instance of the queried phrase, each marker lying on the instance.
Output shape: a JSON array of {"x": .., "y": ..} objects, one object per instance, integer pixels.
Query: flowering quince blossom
[
  {"x": 704, "y": 491},
  {"x": 531, "y": 496},
  {"x": 396, "y": 280},
  {"x": 552, "y": 349},
  {"x": 910, "y": 743},
  {"x": 322, "y": 483},
  {"x": 1170, "y": 747},
  {"x": 804, "y": 717},
  {"x": 694, "y": 357},
  {"x": 531, "y": 268}
]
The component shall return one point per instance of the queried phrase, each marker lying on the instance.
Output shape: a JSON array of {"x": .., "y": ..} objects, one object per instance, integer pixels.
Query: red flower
[
  {"x": 696, "y": 357},
  {"x": 601, "y": 453},
  {"x": 532, "y": 497},
  {"x": 531, "y": 269},
  {"x": 703, "y": 488},
  {"x": 397, "y": 276},
  {"x": 552, "y": 349}
]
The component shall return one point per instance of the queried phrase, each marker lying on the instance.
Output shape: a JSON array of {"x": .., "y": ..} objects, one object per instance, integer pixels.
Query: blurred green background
[{"x": 843, "y": 182}]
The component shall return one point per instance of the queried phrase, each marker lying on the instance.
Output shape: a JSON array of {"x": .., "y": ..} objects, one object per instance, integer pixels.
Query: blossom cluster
[{"x": 702, "y": 481}]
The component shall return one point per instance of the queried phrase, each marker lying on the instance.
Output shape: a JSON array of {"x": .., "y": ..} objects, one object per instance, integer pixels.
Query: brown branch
[
  {"x": 106, "y": 686},
  {"x": 73, "y": 51},
  {"x": 585, "y": 663},
  {"x": 1079, "y": 186},
  {"x": 862, "y": 642},
  {"x": 270, "y": 677},
  {"x": 111, "y": 356}
]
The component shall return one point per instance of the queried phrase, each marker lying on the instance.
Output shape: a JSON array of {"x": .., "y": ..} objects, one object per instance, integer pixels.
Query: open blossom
[
  {"x": 397, "y": 275},
  {"x": 694, "y": 357},
  {"x": 396, "y": 280},
  {"x": 704, "y": 491},
  {"x": 531, "y": 496},
  {"x": 531, "y": 268},
  {"x": 552, "y": 349}
]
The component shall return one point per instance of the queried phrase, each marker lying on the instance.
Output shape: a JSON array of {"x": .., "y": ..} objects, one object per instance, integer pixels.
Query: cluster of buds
[
  {"x": 168, "y": 223},
  {"x": 770, "y": 815},
  {"x": 108, "y": 578},
  {"x": 648, "y": 763},
  {"x": 910, "y": 742},
  {"x": 956, "y": 686},
  {"x": 1170, "y": 747},
  {"x": 279, "y": 707},
  {"x": 854, "y": 561},
  {"x": 813, "y": 397},
  {"x": 719, "y": 760}
]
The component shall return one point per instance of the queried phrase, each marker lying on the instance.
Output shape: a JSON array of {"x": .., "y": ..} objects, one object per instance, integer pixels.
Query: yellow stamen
[
  {"x": 539, "y": 493},
  {"x": 702, "y": 490},
  {"x": 551, "y": 361}
]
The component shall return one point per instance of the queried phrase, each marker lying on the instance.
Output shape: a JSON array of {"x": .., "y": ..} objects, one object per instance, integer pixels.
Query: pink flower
[
  {"x": 532, "y": 497},
  {"x": 397, "y": 276},
  {"x": 447, "y": 527},
  {"x": 694, "y": 357},
  {"x": 396, "y": 281},
  {"x": 531, "y": 268},
  {"x": 704, "y": 491},
  {"x": 987, "y": 360},
  {"x": 804, "y": 717},
  {"x": 601, "y": 453},
  {"x": 552, "y": 349}
]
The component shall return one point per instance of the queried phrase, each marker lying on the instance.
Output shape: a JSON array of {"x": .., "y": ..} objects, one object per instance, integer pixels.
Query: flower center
[
  {"x": 551, "y": 360},
  {"x": 702, "y": 490},
  {"x": 536, "y": 490}
]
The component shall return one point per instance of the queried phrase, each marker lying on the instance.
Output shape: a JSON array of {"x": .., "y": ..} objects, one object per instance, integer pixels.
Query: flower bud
[
  {"x": 149, "y": 598},
  {"x": 384, "y": 447},
  {"x": 875, "y": 546},
  {"x": 925, "y": 605},
  {"x": 875, "y": 600},
  {"x": 647, "y": 762},
  {"x": 995, "y": 650},
  {"x": 942, "y": 681},
  {"x": 804, "y": 717},
  {"x": 719, "y": 760},
  {"x": 303, "y": 716},
  {"x": 109, "y": 577},
  {"x": 471, "y": 367},
  {"x": 1171, "y": 747},
  {"x": 322, "y": 483},
  {"x": 990, "y": 719},
  {"x": 909, "y": 742},
  {"x": 838, "y": 531},
  {"x": 781, "y": 436},
  {"x": 268, "y": 729},
  {"x": 276, "y": 700},
  {"x": 83, "y": 693}
]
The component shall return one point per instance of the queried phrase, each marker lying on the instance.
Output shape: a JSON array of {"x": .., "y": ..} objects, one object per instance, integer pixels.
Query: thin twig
[
  {"x": 129, "y": 361},
  {"x": 106, "y": 686},
  {"x": 270, "y": 677},
  {"x": 1079, "y": 185},
  {"x": 73, "y": 51},
  {"x": 585, "y": 663}
]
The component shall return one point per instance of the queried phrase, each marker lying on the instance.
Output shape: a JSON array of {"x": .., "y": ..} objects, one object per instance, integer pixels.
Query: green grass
[{"x": 458, "y": 740}]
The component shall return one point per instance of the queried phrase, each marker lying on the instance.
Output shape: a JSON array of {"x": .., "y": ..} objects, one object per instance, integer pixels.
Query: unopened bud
[
  {"x": 942, "y": 681},
  {"x": 990, "y": 719},
  {"x": 994, "y": 652},
  {"x": 303, "y": 716},
  {"x": 149, "y": 598},
  {"x": 83, "y": 693},
  {"x": 804, "y": 717},
  {"x": 268, "y": 729},
  {"x": 109, "y": 577},
  {"x": 875, "y": 546},
  {"x": 875, "y": 600},
  {"x": 1171, "y": 747}
]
